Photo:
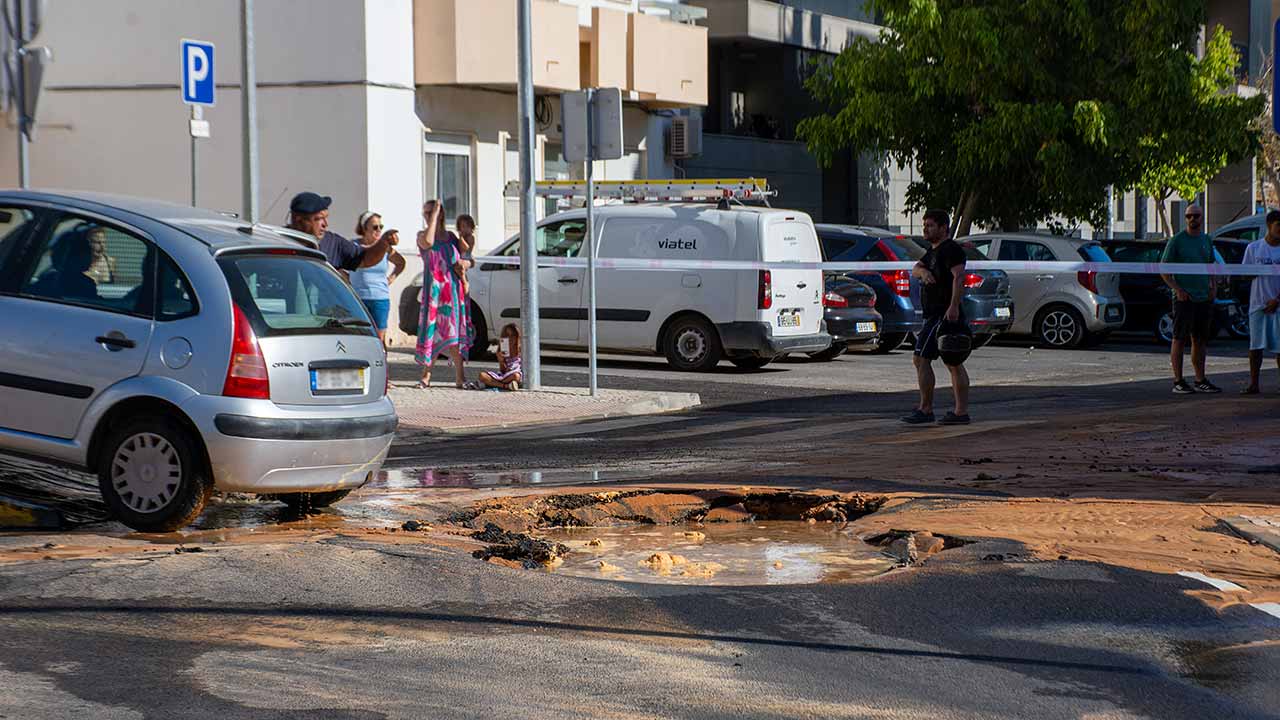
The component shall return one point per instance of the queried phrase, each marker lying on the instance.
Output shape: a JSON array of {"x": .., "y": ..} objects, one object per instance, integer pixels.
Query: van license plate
[
  {"x": 867, "y": 327},
  {"x": 788, "y": 318},
  {"x": 337, "y": 381},
  {"x": 1002, "y": 312}
]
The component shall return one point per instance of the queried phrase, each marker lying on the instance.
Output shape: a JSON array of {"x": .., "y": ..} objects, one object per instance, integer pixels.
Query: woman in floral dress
[{"x": 444, "y": 327}]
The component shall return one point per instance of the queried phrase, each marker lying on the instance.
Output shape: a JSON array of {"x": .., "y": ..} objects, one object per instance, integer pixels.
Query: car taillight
[
  {"x": 1089, "y": 280},
  {"x": 766, "y": 290},
  {"x": 834, "y": 300},
  {"x": 899, "y": 281},
  {"x": 973, "y": 280},
  {"x": 247, "y": 372}
]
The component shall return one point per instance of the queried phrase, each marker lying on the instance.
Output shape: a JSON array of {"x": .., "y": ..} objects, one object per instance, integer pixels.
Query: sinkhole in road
[{"x": 706, "y": 537}]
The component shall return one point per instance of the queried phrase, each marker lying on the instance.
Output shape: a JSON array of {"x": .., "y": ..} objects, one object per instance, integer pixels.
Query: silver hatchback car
[
  {"x": 171, "y": 351},
  {"x": 1060, "y": 309}
]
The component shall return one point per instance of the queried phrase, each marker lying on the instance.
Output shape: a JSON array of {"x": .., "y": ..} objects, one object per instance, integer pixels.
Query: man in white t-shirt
[{"x": 1264, "y": 302}]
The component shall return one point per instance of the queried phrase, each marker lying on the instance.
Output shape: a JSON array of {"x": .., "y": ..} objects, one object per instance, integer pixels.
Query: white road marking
[
  {"x": 1270, "y": 608},
  {"x": 1224, "y": 585}
]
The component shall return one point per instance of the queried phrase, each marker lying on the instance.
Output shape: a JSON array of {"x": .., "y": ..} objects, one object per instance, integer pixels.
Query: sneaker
[
  {"x": 953, "y": 419},
  {"x": 1182, "y": 388},
  {"x": 1205, "y": 386},
  {"x": 918, "y": 418}
]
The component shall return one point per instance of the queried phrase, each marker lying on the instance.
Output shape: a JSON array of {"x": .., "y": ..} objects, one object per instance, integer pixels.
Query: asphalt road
[{"x": 348, "y": 628}]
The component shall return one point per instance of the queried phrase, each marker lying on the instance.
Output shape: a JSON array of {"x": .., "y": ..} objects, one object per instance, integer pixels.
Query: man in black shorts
[
  {"x": 941, "y": 271},
  {"x": 1192, "y": 302}
]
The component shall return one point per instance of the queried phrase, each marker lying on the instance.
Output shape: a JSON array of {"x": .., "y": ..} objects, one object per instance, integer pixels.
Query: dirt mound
[{"x": 529, "y": 551}]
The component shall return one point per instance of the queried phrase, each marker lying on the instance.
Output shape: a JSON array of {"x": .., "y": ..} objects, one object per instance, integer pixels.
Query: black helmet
[{"x": 955, "y": 342}]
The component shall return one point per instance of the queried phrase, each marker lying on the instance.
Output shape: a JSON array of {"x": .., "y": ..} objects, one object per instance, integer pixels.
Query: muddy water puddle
[{"x": 772, "y": 553}]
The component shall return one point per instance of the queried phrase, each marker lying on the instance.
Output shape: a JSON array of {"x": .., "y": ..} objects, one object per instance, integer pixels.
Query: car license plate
[
  {"x": 1113, "y": 312},
  {"x": 337, "y": 381},
  {"x": 789, "y": 318},
  {"x": 866, "y": 327},
  {"x": 1002, "y": 312}
]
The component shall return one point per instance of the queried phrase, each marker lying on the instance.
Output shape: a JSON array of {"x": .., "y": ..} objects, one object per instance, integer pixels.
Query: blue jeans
[{"x": 379, "y": 309}]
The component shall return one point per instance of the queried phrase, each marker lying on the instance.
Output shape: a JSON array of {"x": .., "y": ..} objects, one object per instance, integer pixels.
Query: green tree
[{"x": 1018, "y": 112}]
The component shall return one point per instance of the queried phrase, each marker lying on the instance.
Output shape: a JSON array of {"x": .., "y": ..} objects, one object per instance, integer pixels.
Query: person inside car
[{"x": 68, "y": 278}]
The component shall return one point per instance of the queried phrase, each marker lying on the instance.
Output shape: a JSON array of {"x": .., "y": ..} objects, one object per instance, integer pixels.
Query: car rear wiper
[{"x": 347, "y": 322}]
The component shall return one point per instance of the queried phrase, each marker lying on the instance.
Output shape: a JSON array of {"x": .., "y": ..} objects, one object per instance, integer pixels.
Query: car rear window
[
  {"x": 1093, "y": 252},
  {"x": 287, "y": 294}
]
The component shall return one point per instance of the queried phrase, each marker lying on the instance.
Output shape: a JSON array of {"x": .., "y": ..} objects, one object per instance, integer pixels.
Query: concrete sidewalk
[{"x": 442, "y": 409}]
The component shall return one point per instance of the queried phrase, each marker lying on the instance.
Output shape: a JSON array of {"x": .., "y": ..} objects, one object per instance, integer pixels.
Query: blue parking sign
[{"x": 197, "y": 72}]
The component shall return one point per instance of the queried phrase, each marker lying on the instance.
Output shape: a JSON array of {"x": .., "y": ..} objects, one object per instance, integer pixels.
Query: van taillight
[
  {"x": 899, "y": 281},
  {"x": 247, "y": 371},
  {"x": 766, "y": 290}
]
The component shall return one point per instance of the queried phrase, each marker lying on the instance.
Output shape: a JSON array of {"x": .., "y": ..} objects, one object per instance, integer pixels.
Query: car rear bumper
[
  {"x": 256, "y": 446},
  {"x": 843, "y": 324},
  {"x": 758, "y": 337},
  {"x": 1108, "y": 314},
  {"x": 989, "y": 314}
]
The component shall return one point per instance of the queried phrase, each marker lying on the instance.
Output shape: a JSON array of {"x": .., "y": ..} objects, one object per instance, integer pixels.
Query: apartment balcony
[{"x": 473, "y": 43}]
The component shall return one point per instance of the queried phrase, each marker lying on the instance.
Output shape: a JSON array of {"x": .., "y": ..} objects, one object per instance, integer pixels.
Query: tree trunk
[
  {"x": 1162, "y": 214},
  {"x": 969, "y": 206}
]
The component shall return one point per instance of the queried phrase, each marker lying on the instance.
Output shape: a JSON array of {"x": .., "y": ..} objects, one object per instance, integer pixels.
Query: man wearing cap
[
  {"x": 309, "y": 213},
  {"x": 1192, "y": 302}
]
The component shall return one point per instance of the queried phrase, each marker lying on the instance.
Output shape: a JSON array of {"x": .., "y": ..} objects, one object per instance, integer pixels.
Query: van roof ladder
[{"x": 665, "y": 190}]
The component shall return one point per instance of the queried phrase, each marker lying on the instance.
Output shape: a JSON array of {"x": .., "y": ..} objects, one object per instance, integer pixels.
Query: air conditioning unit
[{"x": 686, "y": 136}]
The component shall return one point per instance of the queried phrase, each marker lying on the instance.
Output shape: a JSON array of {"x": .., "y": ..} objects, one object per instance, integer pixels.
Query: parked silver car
[
  {"x": 171, "y": 350},
  {"x": 1061, "y": 310}
]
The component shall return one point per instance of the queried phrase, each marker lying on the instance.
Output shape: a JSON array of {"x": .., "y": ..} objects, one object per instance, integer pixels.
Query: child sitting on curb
[{"x": 508, "y": 376}]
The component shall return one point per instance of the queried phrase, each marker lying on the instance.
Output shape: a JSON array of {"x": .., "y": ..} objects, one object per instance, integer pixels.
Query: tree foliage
[{"x": 1018, "y": 112}]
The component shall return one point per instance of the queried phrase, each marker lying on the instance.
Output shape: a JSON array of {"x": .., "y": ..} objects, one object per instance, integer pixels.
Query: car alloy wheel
[
  {"x": 146, "y": 472},
  {"x": 1164, "y": 328},
  {"x": 1060, "y": 328}
]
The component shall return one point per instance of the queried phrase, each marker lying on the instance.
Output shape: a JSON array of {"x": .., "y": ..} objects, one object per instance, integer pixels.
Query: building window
[
  {"x": 447, "y": 173},
  {"x": 737, "y": 109},
  {"x": 555, "y": 167},
  {"x": 1121, "y": 199}
]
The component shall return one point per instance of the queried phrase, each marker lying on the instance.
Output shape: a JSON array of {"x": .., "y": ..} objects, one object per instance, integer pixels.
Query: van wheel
[
  {"x": 152, "y": 476},
  {"x": 306, "y": 502},
  {"x": 1060, "y": 326},
  {"x": 753, "y": 361},
  {"x": 480, "y": 349},
  {"x": 692, "y": 345}
]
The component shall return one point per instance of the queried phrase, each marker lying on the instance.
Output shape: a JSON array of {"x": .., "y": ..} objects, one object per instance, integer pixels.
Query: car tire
[
  {"x": 152, "y": 474},
  {"x": 480, "y": 348},
  {"x": 836, "y": 350},
  {"x": 888, "y": 342},
  {"x": 752, "y": 361},
  {"x": 1239, "y": 328},
  {"x": 691, "y": 344},
  {"x": 307, "y": 501},
  {"x": 1060, "y": 326},
  {"x": 410, "y": 310}
]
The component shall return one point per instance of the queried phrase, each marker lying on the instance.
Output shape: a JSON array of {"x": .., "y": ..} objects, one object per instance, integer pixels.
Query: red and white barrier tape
[{"x": 1008, "y": 266}]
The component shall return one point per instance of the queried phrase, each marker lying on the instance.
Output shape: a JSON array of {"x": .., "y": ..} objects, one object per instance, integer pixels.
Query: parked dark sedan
[
  {"x": 1149, "y": 301},
  {"x": 850, "y": 312},
  {"x": 1232, "y": 248},
  {"x": 988, "y": 303}
]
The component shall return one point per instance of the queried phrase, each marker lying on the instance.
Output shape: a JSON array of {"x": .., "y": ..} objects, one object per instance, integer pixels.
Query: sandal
[
  {"x": 472, "y": 385},
  {"x": 1251, "y": 390},
  {"x": 423, "y": 385}
]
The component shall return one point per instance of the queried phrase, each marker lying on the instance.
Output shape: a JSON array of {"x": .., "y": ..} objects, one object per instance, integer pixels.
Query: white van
[{"x": 693, "y": 317}]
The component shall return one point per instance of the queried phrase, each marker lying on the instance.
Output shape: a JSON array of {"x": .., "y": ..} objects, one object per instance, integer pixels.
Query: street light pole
[
  {"x": 530, "y": 347},
  {"x": 249, "y": 112}
]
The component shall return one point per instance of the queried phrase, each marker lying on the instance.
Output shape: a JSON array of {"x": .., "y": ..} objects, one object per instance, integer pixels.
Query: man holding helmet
[{"x": 945, "y": 333}]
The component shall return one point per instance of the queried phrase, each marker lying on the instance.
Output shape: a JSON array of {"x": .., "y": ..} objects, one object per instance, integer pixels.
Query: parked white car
[{"x": 695, "y": 318}]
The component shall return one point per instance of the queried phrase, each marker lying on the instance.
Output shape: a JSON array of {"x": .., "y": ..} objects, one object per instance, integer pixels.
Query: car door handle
[
  {"x": 115, "y": 342},
  {"x": 1044, "y": 277},
  {"x": 802, "y": 285},
  {"x": 567, "y": 280}
]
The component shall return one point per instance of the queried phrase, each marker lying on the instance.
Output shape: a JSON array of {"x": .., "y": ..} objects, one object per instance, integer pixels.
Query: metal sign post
[
  {"x": 529, "y": 312},
  {"x": 197, "y": 91},
  {"x": 592, "y": 124},
  {"x": 249, "y": 111}
]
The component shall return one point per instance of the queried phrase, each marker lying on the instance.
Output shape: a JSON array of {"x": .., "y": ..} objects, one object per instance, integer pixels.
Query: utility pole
[
  {"x": 529, "y": 315},
  {"x": 249, "y": 115}
]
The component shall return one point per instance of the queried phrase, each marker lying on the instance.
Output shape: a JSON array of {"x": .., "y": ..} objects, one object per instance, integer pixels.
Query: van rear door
[{"x": 797, "y": 294}]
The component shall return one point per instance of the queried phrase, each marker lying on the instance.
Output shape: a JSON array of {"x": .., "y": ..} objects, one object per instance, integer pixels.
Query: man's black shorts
[
  {"x": 927, "y": 337},
  {"x": 1192, "y": 320}
]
